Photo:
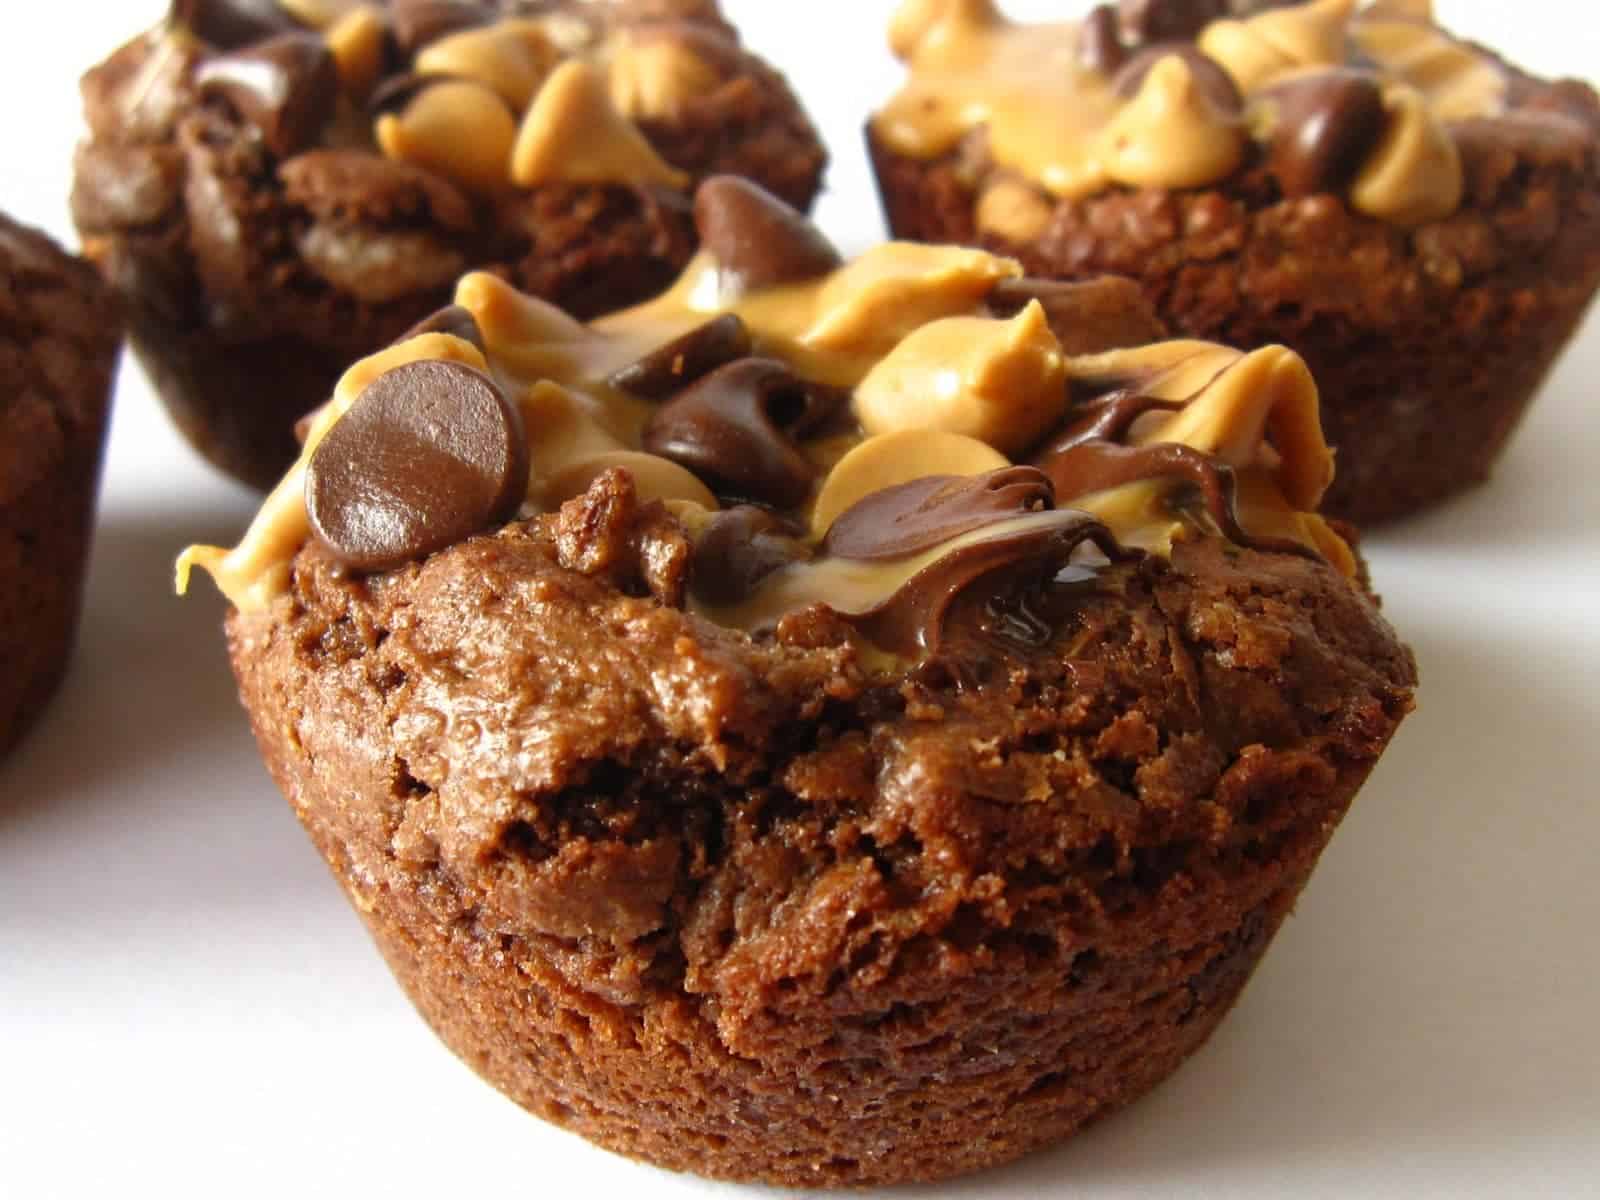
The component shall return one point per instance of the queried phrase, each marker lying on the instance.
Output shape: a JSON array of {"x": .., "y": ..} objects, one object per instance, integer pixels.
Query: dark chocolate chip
[
  {"x": 1100, "y": 45},
  {"x": 735, "y": 429},
  {"x": 417, "y": 23},
  {"x": 286, "y": 86},
  {"x": 669, "y": 369},
  {"x": 737, "y": 550},
  {"x": 916, "y": 516},
  {"x": 452, "y": 319},
  {"x": 429, "y": 454},
  {"x": 1148, "y": 21},
  {"x": 1089, "y": 316},
  {"x": 1326, "y": 125},
  {"x": 231, "y": 24},
  {"x": 916, "y": 620},
  {"x": 1214, "y": 83},
  {"x": 756, "y": 240}
]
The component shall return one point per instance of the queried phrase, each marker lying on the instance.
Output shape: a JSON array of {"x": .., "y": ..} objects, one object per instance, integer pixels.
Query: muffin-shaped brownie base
[
  {"x": 744, "y": 908},
  {"x": 1427, "y": 345},
  {"x": 58, "y": 347},
  {"x": 255, "y": 274}
]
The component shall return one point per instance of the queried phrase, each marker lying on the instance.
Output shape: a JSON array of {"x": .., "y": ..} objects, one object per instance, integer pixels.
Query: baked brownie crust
[
  {"x": 253, "y": 278},
  {"x": 741, "y": 907},
  {"x": 58, "y": 346}
]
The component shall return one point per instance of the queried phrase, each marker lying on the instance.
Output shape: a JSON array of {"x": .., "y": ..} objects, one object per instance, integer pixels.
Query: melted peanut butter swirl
[
  {"x": 1071, "y": 109},
  {"x": 804, "y": 394}
]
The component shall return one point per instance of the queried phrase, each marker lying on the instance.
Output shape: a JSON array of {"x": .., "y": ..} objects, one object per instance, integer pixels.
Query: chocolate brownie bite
[
  {"x": 279, "y": 187},
  {"x": 812, "y": 727},
  {"x": 1414, "y": 216},
  {"x": 59, "y": 336}
]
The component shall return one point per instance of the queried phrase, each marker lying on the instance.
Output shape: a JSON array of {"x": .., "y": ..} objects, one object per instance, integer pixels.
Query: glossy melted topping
[
  {"x": 897, "y": 437},
  {"x": 492, "y": 94},
  {"x": 1337, "y": 95}
]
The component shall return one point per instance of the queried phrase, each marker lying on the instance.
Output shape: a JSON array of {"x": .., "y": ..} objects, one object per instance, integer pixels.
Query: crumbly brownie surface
[
  {"x": 58, "y": 347},
  {"x": 1428, "y": 340},
  {"x": 258, "y": 263},
  {"x": 742, "y": 909}
]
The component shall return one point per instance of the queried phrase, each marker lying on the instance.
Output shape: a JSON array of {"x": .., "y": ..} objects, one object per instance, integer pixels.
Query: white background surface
[{"x": 187, "y": 1005}]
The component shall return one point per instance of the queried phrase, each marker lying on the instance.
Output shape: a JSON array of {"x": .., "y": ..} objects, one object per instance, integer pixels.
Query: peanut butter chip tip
[{"x": 574, "y": 134}]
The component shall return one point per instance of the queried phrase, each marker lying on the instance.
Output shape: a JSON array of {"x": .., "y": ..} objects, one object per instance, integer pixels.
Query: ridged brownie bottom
[
  {"x": 44, "y": 547},
  {"x": 1002, "y": 1066},
  {"x": 1427, "y": 346}
]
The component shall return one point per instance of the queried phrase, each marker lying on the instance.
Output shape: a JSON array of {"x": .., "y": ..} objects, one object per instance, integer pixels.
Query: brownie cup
[
  {"x": 1415, "y": 217},
  {"x": 279, "y": 187},
  {"x": 59, "y": 336},
  {"x": 834, "y": 724}
]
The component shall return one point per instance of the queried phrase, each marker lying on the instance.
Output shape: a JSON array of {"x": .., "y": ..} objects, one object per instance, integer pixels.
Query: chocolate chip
[
  {"x": 1214, "y": 83},
  {"x": 1088, "y": 316},
  {"x": 737, "y": 550},
  {"x": 452, "y": 319},
  {"x": 756, "y": 240},
  {"x": 1326, "y": 125},
  {"x": 428, "y": 455},
  {"x": 286, "y": 86},
  {"x": 916, "y": 516},
  {"x": 1148, "y": 21},
  {"x": 1100, "y": 45},
  {"x": 735, "y": 427},
  {"x": 417, "y": 23},
  {"x": 672, "y": 367},
  {"x": 230, "y": 24}
]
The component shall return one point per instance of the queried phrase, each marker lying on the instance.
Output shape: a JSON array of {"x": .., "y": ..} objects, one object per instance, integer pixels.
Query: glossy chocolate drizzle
[
  {"x": 1091, "y": 457},
  {"x": 916, "y": 619},
  {"x": 1004, "y": 535}
]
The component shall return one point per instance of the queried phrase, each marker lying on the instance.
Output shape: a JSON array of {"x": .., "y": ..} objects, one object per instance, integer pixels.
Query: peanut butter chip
[
  {"x": 356, "y": 42},
  {"x": 461, "y": 129},
  {"x": 1001, "y": 382},
  {"x": 1414, "y": 175},
  {"x": 430, "y": 454},
  {"x": 1014, "y": 210},
  {"x": 1172, "y": 133},
  {"x": 896, "y": 458},
  {"x": 574, "y": 134},
  {"x": 512, "y": 57},
  {"x": 655, "y": 79},
  {"x": 916, "y": 20}
]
